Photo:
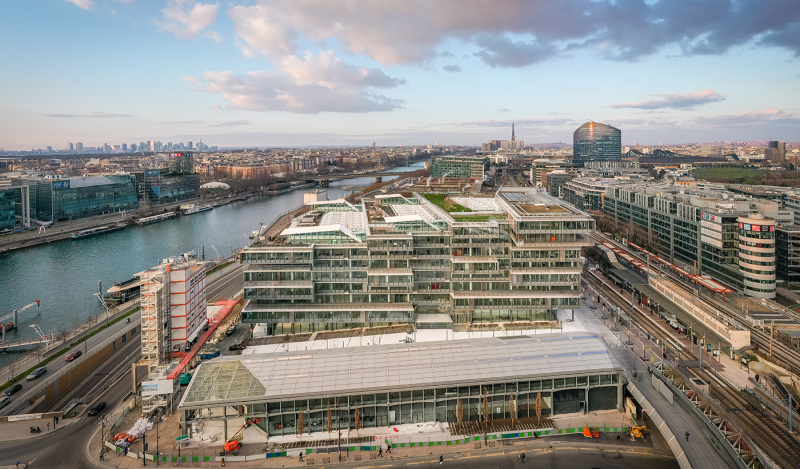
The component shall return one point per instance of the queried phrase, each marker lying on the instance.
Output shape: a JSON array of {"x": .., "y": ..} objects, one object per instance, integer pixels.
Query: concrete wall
[{"x": 84, "y": 368}]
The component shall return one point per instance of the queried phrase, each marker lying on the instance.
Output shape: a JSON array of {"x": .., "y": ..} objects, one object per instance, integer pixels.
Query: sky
[{"x": 397, "y": 72}]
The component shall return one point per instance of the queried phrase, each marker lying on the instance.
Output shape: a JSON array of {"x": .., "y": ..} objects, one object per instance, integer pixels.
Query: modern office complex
[
  {"x": 69, "y": 199},
  {"x": 596, "y": 141},
  {"x": 383, "y": 261},
  {"x": 459, "y": 166},
  {"x": 730, "y": 237},
  {"x": 787, "y": 253},
  {"x": 181, "y": 162},
  {"x": 8, "y": 217},
  {"x": 161, "y": 186},
  {"x": 384, "y": 385}
]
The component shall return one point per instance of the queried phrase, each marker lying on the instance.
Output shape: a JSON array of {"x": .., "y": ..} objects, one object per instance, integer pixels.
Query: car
[
  {"x": 236, "y": 347},
  {"x": 97, "y": 408},
  {"x": 36, "y": 373},
  {"x": 72, "y": 356},
  {"x": 13, "y": 389},
  {"x": 4, "y": 401}
]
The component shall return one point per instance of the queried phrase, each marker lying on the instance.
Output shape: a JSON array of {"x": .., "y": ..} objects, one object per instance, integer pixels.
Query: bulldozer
[{"x": 636, "y": 432}]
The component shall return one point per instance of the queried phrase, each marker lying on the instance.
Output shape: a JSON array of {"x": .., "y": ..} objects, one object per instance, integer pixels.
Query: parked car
[
  {"x": 36, "y": 373},
  {"x": 236, "y": 347},
  {"x": 13, "y": 389},
  {"x": 97, "y": 408},
  {"x": 4, "y": 401},
  {"x": 72, "y": 356}
]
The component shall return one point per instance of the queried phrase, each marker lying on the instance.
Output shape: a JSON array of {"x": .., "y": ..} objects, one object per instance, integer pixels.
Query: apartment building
[{"x": 395, "y": 258}]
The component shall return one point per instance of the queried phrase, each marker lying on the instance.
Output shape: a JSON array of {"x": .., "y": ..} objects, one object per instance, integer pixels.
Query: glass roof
[{"x": 216, "y": 381}]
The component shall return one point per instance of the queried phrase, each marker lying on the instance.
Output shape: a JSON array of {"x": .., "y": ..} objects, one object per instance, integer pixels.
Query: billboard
[
  {"x": 61, "y": 185},
  {"x": 153, "y": 388},
  {"x": 711, "y": 217},
  {"x": 151, "y": 172}
]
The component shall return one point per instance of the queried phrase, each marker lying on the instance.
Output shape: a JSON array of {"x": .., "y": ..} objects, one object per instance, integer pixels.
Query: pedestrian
[
  {"x": 687, "y": 436},
  {"x": 380, "y": 452},
  {"x": 441, "y": 460},
  {"x": 223, "y": 462},
  {"x": 388, "y": 448},
  {"x": 619, "y": 438},
  {"x": 48, "y": 426},
  {"x": 301, "y": 456},
  {"x": 102, "y": 455}
]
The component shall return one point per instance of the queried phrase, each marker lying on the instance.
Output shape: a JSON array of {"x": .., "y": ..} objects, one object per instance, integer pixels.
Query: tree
[
  {"x": 301, "y": 425},
  {"x": 512, "y": 409},
  {"x": 485, "y": 412},
  {"x": 329, "y": 422},
  {"x": 357, "y": 417},
  {"x": 538, "y": 406},
  {"x": 459, "y": 411}
]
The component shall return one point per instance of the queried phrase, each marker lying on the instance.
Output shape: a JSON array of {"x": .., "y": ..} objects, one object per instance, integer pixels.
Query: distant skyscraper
[
  {"x": 106, "y": 148},
  {"x": 596, "y": 141},
  {"x": 70, "y": 146},
  {"x": 133, "y": 147},
  {"x": 776, "y": 151},
  {"x": 513, "y": 136},
  {"x": 49, "y": 148},
  {"x": 373, "y": 144},
  {"x": 79, "y": 146},
  {"x": 124, "y": 147},
  {"x": 189, "y": 144}
]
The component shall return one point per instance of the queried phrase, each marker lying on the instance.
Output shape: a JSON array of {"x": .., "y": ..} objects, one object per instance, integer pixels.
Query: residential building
[
  {"x": 188, "y": 303},
  {"x": 596, "y": 141},
  {"x": 459, "y": 166},
  {"x": 397, "y": 256},
  {"x": 775, "y": 152},
  {"x": 710, "y": 150}
]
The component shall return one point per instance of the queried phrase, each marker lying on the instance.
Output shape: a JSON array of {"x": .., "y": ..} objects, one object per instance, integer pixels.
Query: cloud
[
  {"x": 452, "y": 68},
  {"x": 745, "y": 118},
  {"x": 214, "y": 36},
  {"x": 504, "y": 53},
  {"x": 186, "y": 18},
  {"x": 91, "y": 115},
  {"x": 85, "y": 4},
  {"x": 230, "y": 123},
  {"x": 308, "y": 85},
  {"x": 675, "y": 100},
  {"x": 187, "y": 122},
  {"x": 516, "y": 33}
]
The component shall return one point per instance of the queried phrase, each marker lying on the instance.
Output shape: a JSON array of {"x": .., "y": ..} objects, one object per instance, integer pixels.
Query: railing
[
  {"x": 26, "y": 398},
  {"x": 96, "y": 394}
]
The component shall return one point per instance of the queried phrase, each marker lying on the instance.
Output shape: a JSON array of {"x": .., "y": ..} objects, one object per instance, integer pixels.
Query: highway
[{"x": 223, "y": 287}]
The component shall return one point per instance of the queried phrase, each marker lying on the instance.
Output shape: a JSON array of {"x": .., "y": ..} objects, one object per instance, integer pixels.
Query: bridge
[{"x": 325, "y": 179}]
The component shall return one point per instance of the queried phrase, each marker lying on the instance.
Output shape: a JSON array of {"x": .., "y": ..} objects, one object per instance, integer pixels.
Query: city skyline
[{"x": 240, "y": 76}]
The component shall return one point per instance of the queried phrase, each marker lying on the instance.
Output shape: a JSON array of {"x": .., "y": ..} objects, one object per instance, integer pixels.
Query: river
[{"x": 64, "y": 274}]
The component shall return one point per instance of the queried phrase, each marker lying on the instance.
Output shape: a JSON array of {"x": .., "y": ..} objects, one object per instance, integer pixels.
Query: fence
[{"x": 31, "y": 395}]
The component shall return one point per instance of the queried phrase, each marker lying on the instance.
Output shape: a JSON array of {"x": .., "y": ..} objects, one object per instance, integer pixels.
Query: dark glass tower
[{"x": 596, "y": 141}]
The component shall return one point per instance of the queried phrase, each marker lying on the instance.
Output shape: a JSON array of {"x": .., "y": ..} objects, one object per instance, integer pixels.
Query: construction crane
[
  {"x": 215, "y": 251},
  {"x": 13, "y": 316}
]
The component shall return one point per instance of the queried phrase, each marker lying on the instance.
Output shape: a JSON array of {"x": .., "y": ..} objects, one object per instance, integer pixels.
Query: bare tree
[
  {"x": 512, "y": 409},
  {"x": 459, "y": 411},
  {"x": 357, "y": 416},
  {"x": 538, "y": 406},
  {"x": 485, "y": 412},
  {"x": 329, "y": 421},
  {"x": 301, "y": 425}
]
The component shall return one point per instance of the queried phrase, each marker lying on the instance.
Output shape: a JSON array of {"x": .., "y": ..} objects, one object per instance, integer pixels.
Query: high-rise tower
[{"x": 513, "y": 137}]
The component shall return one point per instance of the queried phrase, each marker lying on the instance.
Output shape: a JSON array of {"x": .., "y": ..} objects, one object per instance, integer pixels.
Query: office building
[
  {"x": 160, "y": 186},
  {"x": 73, "y": 198},
  {"x": 459, "y": 166},
  {"x": 8, "y": 217},
  {"x": 787, "y": 253},
  {"x": 133, "y": 147},
  {"x": 710, "y": 150},
  {"x": 396, "y": 384},
  {"x": 181, "y": 162},
  {"x": 389, "y": 259},
  {"x": 596, "y": 141},
  {"x": 775, "y": 152},
  {"x": 554, "y": 180},
  {"x": 70, "y": 146},
  {"x": 728, "y": 236},
  {"x": 79, "y": 146}
]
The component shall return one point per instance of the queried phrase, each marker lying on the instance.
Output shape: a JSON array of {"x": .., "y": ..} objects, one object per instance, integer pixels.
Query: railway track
[{"x": 770, "y": 436}]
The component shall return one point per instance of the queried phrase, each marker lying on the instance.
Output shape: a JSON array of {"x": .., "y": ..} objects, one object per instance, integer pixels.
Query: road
[
  {"x": 64, "y": 448},
  {"x": 223, "y": 287}
]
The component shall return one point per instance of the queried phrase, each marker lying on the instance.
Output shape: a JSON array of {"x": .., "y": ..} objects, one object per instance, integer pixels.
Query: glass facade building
[
  {"x": 70, "y": 199},
  {"x": 596, "y": 141},
  {"x": 7, "y": 211},
  {"x": 387, "y": 260},
  {"x": 160, "y": 186},
  {"x": 459, "y": 166},
  {"x": 411, "y": 383}
]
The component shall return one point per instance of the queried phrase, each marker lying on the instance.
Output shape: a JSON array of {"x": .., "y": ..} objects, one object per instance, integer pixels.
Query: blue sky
[{"x": 317, "y": 72}]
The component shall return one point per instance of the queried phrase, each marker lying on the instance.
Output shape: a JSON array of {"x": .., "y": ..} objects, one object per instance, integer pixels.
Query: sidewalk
[{"x": 22, "y": 430}]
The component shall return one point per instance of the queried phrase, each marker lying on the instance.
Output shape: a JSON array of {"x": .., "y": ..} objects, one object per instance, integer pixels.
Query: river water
[{"x": 64, "y": 274}]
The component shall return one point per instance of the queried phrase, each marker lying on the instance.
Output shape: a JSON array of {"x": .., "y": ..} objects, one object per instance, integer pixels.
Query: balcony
[{"x": 278, "y": 283}]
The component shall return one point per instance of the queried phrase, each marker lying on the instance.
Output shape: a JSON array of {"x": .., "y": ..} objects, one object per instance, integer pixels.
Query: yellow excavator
[{"x": 636, "y": 432}]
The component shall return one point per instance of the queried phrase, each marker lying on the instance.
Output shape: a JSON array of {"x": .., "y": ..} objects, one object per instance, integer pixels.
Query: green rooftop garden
[{"x": 446, "y": 205}]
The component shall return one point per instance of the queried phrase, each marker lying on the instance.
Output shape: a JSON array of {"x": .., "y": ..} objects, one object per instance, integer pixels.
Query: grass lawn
[
  {"x": 727, "y": 173},
  {"x": 438, "y": 200},
  {"x": 219, "y": 267}
]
